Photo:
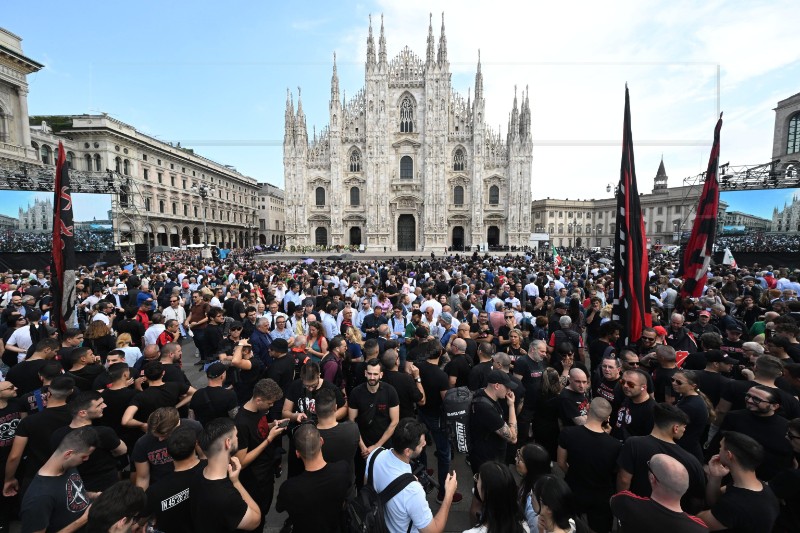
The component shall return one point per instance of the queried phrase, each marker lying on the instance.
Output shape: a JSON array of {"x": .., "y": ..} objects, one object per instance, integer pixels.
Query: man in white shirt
[
  {"x": 155, "y": 329},
  {"x": 366, "y": 309},
  {"x": 431, "y": 302},
  {"x": 175, "y": 312},
  {"x": 532, "y": 290},
  {"x": 410, "y": 506}
]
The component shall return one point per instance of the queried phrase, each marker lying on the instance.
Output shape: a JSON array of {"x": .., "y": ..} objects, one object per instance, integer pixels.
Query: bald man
[
  {"x": 458, "y": 368},
  {"x": 661, "y": 512}
]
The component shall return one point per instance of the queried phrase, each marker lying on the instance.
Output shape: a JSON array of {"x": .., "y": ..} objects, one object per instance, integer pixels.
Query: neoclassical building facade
[{"x": 407, "y": 163}]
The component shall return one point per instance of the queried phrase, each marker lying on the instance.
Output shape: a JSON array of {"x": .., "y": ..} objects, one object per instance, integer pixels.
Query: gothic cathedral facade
[{"x": 407, "y": 163}]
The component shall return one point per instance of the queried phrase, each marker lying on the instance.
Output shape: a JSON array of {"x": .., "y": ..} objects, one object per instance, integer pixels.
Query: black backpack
[{"x": 365, "y": 513}]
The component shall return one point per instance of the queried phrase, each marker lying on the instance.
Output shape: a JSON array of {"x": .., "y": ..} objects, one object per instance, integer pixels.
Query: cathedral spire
[
  {"x": 513, "y": 126},
  {"x": 370, "y": 46},
  {"x": 300, "y": 124},
  {"x": 382, "y": 45},
  {"x": 429, "y": 55},
  {"x": 479, "y": 80},
  {"x": 442, "y": 54},
  {"x": 288, "y": 131},
  {"x": 334, "y": 82}
]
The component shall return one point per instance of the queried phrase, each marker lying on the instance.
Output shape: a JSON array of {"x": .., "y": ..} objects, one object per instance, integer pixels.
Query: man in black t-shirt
[
  {"x": 340, "y": 439},
  {"x": 300, "y": 404},
  {"x": 259, "y": 440},
  {"x": 219, "y": 501},
  {"x": 573, "y": 402},
  {"x": 530, "y": 370},
  {"x": 489, "y": 432},
  {"x": 32, "y": 437},
  {"x": 669, "y": 425},
  {"x": 661, "y": 512},
  {"x": 11, "y": 413},
  {"x": 57, "y": 497},
  {"x": 100, "y": 471},
  {"x": 410, "y": 392},
  {"x": 214, "y": 401},
  {"x": 157, "y": 394},
  {"x": 150, "y": 457},
  {"x": 458, "y": 368},
  {"x": 591, "y": 475},
  {"x": 634, "y": 414},
  {"x": 168, "y": 499},
  {"x": 375, "y": 407},
  {"x": 325, "y": 484},
  {"x": 605, "y": 383},
  {"x": 747, "y": 505}
]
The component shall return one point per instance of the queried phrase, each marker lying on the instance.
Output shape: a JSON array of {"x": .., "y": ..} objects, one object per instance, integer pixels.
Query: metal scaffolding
[{"x": 754, "y": 177}]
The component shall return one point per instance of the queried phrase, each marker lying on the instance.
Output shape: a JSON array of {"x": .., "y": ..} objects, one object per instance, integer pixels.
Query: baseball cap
[
  {"x": 735, "y": 327},
  {"x": 660, "y": 331},
  {"x": 215, "y": 370},
  {"x": 704, "y": 313},
  {"x": 446, "y": 317},
  {"x": 498, "y": 376}
]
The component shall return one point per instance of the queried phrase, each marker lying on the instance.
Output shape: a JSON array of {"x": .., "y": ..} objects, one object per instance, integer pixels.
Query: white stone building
[
  {"x": 408, "y": 163},
  {"x": 786, "y": 154},
  {"x": 37, "y": 217},
  {"x": 271, "y": 215}
]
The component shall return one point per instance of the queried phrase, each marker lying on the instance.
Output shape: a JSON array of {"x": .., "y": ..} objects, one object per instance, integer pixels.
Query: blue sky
[{"x": 214, "y": 75}]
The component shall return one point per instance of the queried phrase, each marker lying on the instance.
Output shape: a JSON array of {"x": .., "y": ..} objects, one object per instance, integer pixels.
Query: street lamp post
[{"x": 204, "y": 191}]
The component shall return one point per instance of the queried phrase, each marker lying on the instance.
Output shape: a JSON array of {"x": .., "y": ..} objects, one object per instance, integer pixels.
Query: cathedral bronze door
[
  {"x": 493, "y": 236},
  {"x": 406, "y": 233},
  {"x": 355, "y": 236},
  {"x": 458, "y": 238}
]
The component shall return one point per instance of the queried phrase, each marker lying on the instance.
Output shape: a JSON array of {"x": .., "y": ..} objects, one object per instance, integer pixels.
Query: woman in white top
[{"x": 497, "y": 490}]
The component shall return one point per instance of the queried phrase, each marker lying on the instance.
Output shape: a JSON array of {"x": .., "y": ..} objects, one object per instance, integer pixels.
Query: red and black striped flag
[
  {"x": 62, "y": 314},
  {"x": 631, "y": 293},
  {"x": 697, "y": 256}
]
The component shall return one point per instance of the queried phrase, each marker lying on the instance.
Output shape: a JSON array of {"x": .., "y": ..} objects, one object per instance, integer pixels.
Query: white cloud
[{"x": 576, "y": 59}]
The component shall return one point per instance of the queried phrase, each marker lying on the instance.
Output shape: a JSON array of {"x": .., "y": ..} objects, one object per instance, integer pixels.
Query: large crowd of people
[
  {"x": 327, "y": 378},
  {"x": 86, "y": 240},
  {"x": 759, "y": 243}
]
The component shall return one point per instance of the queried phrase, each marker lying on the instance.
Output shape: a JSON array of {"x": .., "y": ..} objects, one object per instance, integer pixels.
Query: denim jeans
[{"x": 439, "y": 433}]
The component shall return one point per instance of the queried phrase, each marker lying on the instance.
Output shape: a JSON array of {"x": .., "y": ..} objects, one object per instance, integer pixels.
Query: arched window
[
  {"x": 88, "y": 159},
  {"x": 174, "y": 208},
  {"x": 320, "y": 196},
  {"x": 126, "y": 167},
  {"x": 793, "y": 140},
  {"x": 494, "y": 195},
  {"x": 551, "y": 229},
  {"x": 161, "y": 206},
  {"x": 458, "y": 195},
  {"x": 70, "y": 159},
  {"x": 46, "y": 153},
  {"x": 458, "y": 160},
  {"x": 355, "y": 160},
  {"x": 406, "y": 168},
  {"x": 97, "y": 165},
  {"x": 118, "y": 164},
  {"x": 406, "y": 115},
  {"x": 355, "y": 196}
]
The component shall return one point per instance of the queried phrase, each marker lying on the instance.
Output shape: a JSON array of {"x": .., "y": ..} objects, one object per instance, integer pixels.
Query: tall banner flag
[
  {"x": 556, "y": 256},
  {"x": 62, "y": 314},
  {"x": 697, "y": 256},
  {"x": 631, "y": 293}
]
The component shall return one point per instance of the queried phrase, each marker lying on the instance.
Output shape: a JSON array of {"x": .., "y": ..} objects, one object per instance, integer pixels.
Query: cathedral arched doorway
[
  {"x": 458, "y": 238},
  {"x": 406, "y": 233},
  {"x": 195, "y": 236},
  {"x": 355, "y": 236},
  {"x": 493, "y": 236},
  {"x": 321, "y": 237}
]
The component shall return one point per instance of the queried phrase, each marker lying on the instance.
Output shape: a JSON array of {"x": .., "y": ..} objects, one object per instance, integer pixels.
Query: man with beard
[
  {"x": 604, "y": 345},
  {"x": 634, "y": 416},
  {"x": 606, "y": 382},
  {"x": 529, "y": 371},
  {"x": 257, "y": 444},
  {"x": 375, "y": 407},
  {"x": 410, "y": 506}
]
